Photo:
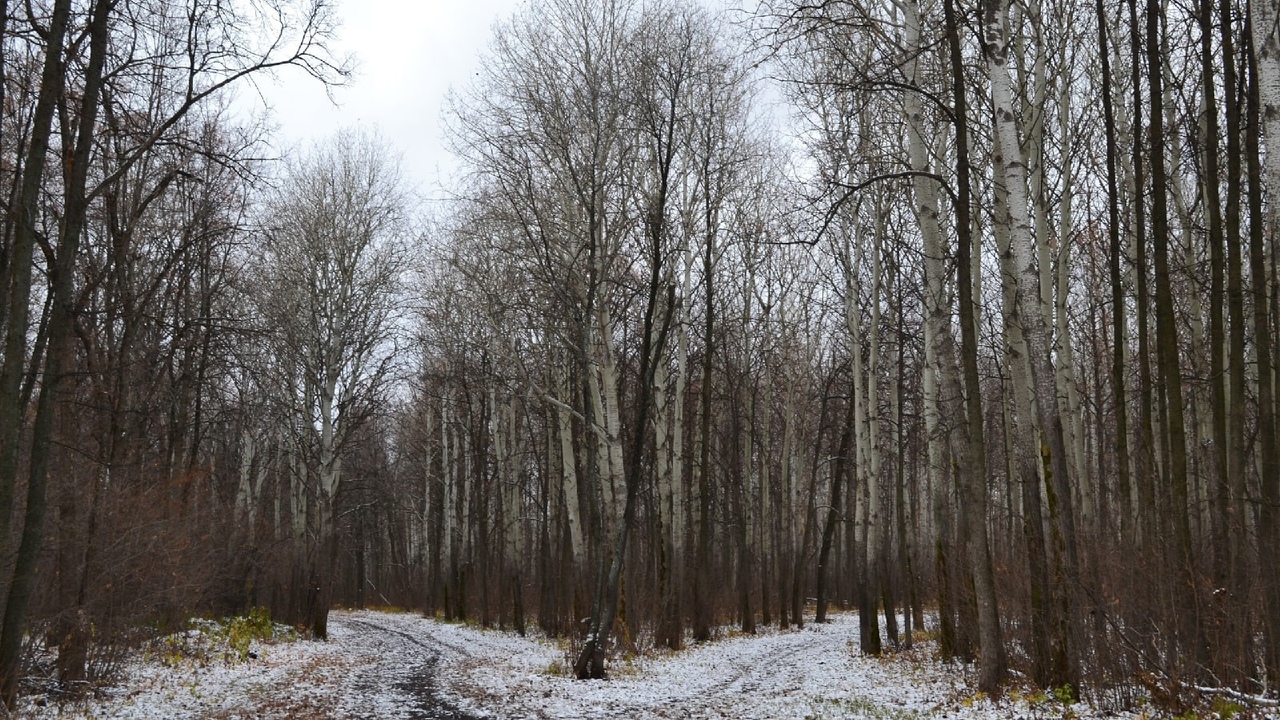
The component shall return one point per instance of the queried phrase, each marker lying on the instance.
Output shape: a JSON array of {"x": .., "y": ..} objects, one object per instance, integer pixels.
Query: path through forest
[
  {"x": 403, "y": 666},
  {"x": 401, "y": 673}
]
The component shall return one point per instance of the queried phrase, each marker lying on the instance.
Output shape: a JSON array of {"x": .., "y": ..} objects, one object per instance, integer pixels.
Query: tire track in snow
[
  {"x": 401, "y": 651},
  {"x": 705, "y": 681},
  {"x": 766, "y": 666},
  {"x": 775, "y": 666}
]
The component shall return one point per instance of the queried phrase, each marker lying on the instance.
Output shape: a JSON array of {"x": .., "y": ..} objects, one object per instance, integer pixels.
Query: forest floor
[{"x": 400, "y": 665}]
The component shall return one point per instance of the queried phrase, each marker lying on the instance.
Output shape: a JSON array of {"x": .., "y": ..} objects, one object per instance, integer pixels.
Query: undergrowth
[
  {"x": 229, "y": 640},
  {"x": 856, "y": 707}
]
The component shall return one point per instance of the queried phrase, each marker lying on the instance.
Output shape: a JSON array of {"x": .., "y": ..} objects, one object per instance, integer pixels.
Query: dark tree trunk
[
  {"x": 1119, "y": 326},
  {"x": 1235, "y": 659},
  {"x": 973, "y": 501},
  {"x": 1167, "y": 356},
  {"x": 17, "y": 274},
  {"x": 702, "y": 553},
  {"x": 59, "y": 334},
  {"x": 838, "y": 479}
]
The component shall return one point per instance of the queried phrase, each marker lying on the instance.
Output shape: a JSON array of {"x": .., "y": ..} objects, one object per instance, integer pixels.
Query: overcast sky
[{"x": 408, "y": 55}]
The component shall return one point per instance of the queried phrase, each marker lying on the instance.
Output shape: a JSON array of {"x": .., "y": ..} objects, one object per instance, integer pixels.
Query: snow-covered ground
[{"x": 390, "y": 665}]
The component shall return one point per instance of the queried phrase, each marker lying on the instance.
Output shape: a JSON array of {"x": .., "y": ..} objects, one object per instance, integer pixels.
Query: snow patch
[{"x": 389, "y": 665}]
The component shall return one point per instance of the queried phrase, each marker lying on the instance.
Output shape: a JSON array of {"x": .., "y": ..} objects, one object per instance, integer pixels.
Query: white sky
[{"x": 408, "y": 54}]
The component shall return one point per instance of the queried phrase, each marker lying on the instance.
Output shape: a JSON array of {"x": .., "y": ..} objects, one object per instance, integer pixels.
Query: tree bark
[
  {"x": 1269, "y": 461},
  {"x": 18, "y": 273},
  {"x": 1119, "y": 324},
  {"x": 838, "y": 480},
  {"x": 992, "y": 661},
  {"x": 1167, "y": 355},
  {"x": 59, "y": 329}
]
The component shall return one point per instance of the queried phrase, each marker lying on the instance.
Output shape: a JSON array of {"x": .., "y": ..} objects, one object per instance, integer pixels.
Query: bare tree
[
  {"x": 329, "y": 269},
  {"x": 192, "y": 55}
]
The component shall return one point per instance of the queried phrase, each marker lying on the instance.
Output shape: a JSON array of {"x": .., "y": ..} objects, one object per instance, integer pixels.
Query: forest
[{"x": 962, "y": 314}]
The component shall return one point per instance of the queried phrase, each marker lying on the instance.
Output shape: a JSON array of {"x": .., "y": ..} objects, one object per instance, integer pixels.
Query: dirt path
[
  {"x": 401, "y": 666},
  {"x": 775, "y": 674},
  {"x": 401, "y": 680}
]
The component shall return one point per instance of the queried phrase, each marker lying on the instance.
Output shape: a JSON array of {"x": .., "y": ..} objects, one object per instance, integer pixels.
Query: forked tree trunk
[
  {"x": 590, "y": 662},
  {"x": 838, "y": 474},
  {"x": 17, "y": 275}
]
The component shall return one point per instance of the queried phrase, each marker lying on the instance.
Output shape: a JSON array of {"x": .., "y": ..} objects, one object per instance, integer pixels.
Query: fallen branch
[{"x": 1259, "y": 700}]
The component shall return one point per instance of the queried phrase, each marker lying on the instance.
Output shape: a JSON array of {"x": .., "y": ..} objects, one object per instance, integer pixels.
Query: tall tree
[{"x": 332, "y": 254}]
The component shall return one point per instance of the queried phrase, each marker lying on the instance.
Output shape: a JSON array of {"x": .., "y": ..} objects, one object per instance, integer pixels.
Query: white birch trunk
[
  {"x": 865, "y": 536},
  {"x": 245, "y": 497},
  {"x": 1024, "y": 422},
  {"x": 1022, "y": 236},
  {"x": 864, "y": 334},
  {"x": 447, "y": 475},
  {"x": 664, "y": 430},
  {"x": 330, "y": 470},
  {"x": 1266, "y": 38},
  {"x": 604, "y": 390},
  {"x": 678, "y": 502},
  {"x": 1068, "y": 389},
  {"x": 569, "y": 476},
  {"x": 938, "y": 342},
  {"x": 297, "y": 488},
  {"x": 871, "y": 401},
  {"x": 669, "y": 433}
]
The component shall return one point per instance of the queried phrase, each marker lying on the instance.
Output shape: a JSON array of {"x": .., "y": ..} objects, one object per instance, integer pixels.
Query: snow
[{"x": 400, "y": 665}]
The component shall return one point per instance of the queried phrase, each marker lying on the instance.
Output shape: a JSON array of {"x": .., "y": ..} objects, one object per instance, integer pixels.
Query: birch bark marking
[
  {"x": 1267, "y": 462},
  {"x": 1023, "y": 249},
  {"x": 569, "y": 477},
  {"x": 1025, "y": 429},
  {"x": 941, "y": 385},
  {"x": 1265, "y": 25},
  {"x": 972, "y": 455}
]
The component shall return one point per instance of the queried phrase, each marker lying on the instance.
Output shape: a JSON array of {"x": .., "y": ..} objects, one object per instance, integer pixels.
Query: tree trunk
[
  {"x": 1119, "y": 326},
  {"x": 993, "y": 664},
  {"x": 1025, "y": 429},
  {"x": 833, "y": 512},
  {"x": 1235, "y": 650},
  {"x": 59, "y": 331},
  {"x": 702, "y": 556},
  {"x": 1269, "y": 460},
  {"x": 1167, "y": 355},
  {"x": 590, "y": 663}
]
